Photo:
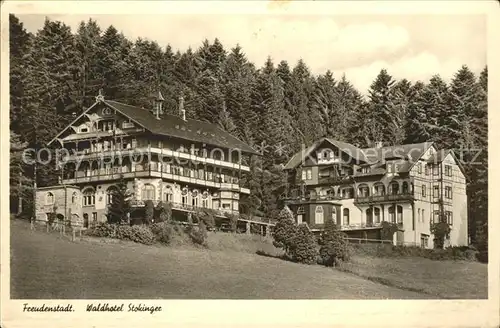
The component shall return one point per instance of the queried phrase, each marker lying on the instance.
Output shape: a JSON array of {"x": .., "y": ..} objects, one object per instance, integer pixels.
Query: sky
[{"x": 414, "y": 47}]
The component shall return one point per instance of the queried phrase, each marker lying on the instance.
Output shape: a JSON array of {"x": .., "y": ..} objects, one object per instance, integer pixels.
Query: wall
[{"x": 66, "y": 205}]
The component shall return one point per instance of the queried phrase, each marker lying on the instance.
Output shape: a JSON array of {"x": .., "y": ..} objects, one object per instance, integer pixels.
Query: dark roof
[
  {"x": 175, "y": 126},
  {"x": 411, "y": 152},
  {"x": 345, "y": 147}
]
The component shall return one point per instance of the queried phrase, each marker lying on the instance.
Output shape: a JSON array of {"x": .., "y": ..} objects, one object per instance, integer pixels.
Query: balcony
[
  {"x": 107, "y": 175},
  {"x": 187, "y": 208},
  {"x": 87, "y": 154},
  {"x": 335, "y": 180},
  {"x": 383, "y": 198}
]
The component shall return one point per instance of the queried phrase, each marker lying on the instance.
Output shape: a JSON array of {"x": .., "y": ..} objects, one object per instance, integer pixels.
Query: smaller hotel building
[{"x": 409, "y": 185}]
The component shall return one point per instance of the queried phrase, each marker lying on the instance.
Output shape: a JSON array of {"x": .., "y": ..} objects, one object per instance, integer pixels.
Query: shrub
[
  {"x": 102, "y": 229},
  {"x": 334, "y": 247},
  {"x": 233, "y": 221},
  {"x": 163, "y": 232},
  {"x": 150, "y": 212},
  {"x": 137, "y": 233},
  {"x": 284, "y": 231},
  {"x": 198, "y": 234},
  {"x": 163, "y": 212},
  {"x": 304, "y": 249},
  {"x": 388, "y": 230},
  {"x": 440, "y": 230}
]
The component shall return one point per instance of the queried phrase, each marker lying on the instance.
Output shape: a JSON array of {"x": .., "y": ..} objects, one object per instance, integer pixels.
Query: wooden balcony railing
[{"x": 383, "y": 198}]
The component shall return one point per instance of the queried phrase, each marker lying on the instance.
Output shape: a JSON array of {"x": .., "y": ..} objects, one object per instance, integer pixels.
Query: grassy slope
[
  {"x": 48, "y": 266},
  {"x": 444, "y": 279}
]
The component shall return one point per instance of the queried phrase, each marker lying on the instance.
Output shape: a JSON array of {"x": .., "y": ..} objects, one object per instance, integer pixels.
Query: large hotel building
[{"x": 189, "y": 163}]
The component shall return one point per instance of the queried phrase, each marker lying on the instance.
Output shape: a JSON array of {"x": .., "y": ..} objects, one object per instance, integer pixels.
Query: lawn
[
  {"x": 49, "y": 266},
  {"x": 443, "y": 279},
  {"x": 46, "y": 265}
]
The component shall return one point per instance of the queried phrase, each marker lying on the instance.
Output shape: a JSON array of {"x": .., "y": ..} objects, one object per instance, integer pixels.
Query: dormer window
[{"x": 107, "y": 111}]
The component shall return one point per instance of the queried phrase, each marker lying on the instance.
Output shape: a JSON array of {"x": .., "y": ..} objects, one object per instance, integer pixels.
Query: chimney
[
  {"x": 158, "y": 104},
  {"x": 379, "y": 144},
  {"x": 182, "y": 111}
]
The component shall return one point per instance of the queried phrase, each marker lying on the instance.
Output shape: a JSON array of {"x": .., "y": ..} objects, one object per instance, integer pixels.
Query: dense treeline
[{"x": 277, "y": 108}]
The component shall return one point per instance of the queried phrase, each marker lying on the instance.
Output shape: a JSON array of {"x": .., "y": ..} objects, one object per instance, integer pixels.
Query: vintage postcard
[{"x": 253, "y": 163}]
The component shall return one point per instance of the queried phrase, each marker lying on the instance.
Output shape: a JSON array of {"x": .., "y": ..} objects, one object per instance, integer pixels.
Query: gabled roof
[
  {"x": 438, "y": 156},
  {"x": 174, "y": 126},
  {"x": 345, "y": 147}
]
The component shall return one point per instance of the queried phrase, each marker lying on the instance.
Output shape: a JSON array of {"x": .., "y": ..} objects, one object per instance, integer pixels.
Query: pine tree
[
  {"x": 305, "y": 249},
  {"x": 416, "y": 128},
  {"x": 120, "y": 206},
  {"x": 284, "y": 231},
  {"x": 20, "y": 186},
  {"x": 383, "y": 120},
  {"x": 19, "y": 44},
  {"x": 87, "y": 41},
  {"x": 114, "y": 64}
]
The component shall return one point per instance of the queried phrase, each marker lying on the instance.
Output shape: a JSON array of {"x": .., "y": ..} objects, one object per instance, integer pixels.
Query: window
[
  {"x": 106, "y": 111},
  {"x": 435, "y": 217},
  {"x": 319, "y": 219},
  {"x": 405, "y": 188},
  {"x": 435, "y": 191},
  {"x": 423, "y": 216},
  {"x": 94, "y": 216},
  {"x": 204, "y": 199},
  {"x": 148, "y": 192},
  {"x": 84, "y": 129},
  {"x": 449, "y": 217},
  {"x": 435, "y": 170},
  {"x": 363, "y": 191},
  {"x": 309, "y": 174},
  {"x": 167, "y": 195},
  {"x": 448, "y": 170},
  {"x": 345, "y": 217},
  {"x": 299, "y": 218},
  {"x": 400, "y": 214},
  {"x": 184, "y": 196},
  {"x": 334, "y": 214},
  {"x": 390, "y": 167},
  {"x": 304, "y": 174},
  {"x": 392, "y": 214},
  {"x": 394, "y": 188},
  {"x": 379, "y": 189},
  {"x": 419, "y": 220},
  {"x": 424, "y": 191},
  {"x": 74, "y": 198},
  {"x": 300, "y": 210},
  {"x": 110, "y": 192},
  {"x": 376, "y": 211},
  {"x": 419, "y": 168},
  {"x": 426, "y": 169},
  {"x": 366, "y": 169},
  {"x": 194, "y": 198},
  {"x": 226, "y": 206},
  {"x": 88, "y": 197},
  {"x": 49, "y": 200},
  {"x": 448, "y": 192},
  {"x": 424, "y": 240}
]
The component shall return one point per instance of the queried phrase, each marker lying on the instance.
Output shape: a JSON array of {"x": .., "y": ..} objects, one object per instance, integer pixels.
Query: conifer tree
[{"x": 120, "y": 206}]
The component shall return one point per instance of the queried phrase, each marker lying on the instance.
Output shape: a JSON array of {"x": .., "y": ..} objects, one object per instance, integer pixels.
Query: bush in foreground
[
  {"x": 137, "y": 233},
  {"x": 284, "y": 232},
  {"x": 304, "y": 248},
  {"x": 334, "y": 247},
  {"x": 163, "y": 232}
]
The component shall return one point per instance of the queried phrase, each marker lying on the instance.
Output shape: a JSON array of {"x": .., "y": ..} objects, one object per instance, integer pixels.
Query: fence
[
  {"x": 60, "y": 226},
  {"x": 368, "y": 241}
]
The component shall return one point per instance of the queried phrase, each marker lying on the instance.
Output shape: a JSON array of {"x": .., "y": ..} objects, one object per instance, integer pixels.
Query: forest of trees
[{"x": 55, "y": 74}]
